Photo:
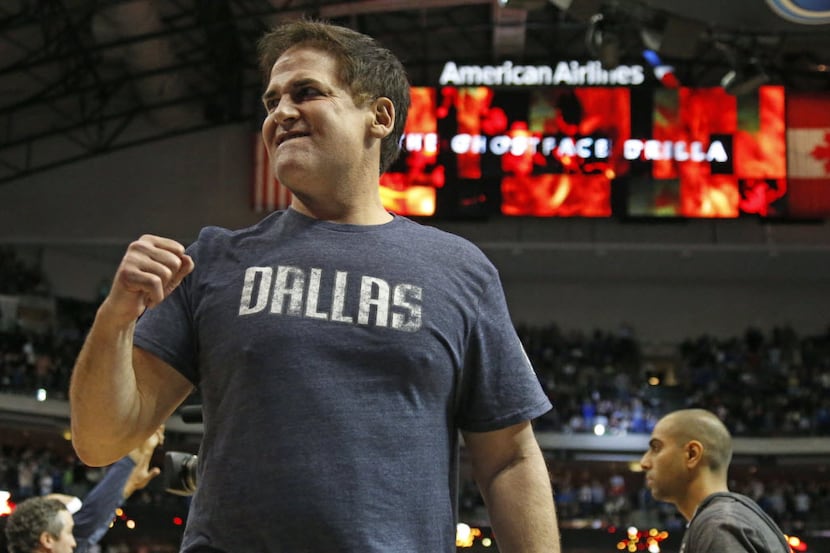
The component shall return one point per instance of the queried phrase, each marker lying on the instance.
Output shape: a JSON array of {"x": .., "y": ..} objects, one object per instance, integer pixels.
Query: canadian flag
[
  {"x": 267, "y": 194},
  {"x": 808, "y": 155}
]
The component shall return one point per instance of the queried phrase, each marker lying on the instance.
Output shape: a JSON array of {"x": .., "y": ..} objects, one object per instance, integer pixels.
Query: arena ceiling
[{"x": 79, "y": 78}]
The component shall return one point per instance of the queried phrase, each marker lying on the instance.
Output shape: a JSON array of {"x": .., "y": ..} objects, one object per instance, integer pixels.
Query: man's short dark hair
[
  {"x": 29, "y": 520},
  {"x": 367, "y": 69}
]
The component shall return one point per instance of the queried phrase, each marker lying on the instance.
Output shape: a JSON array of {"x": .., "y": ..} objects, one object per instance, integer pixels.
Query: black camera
[
  {"x": 180, "y": 472},
  {"x": 180, "y": 468}
]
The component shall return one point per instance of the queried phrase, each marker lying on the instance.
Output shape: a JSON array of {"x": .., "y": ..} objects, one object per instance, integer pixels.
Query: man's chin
[
  {"x": 654, "y": 493},
  {"x": 660, "y": 497}
]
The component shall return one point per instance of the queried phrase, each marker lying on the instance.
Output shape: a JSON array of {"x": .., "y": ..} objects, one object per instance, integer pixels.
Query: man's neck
[
  {"x": 696, "y": 496},
  {"x": 372, "y": 214}
]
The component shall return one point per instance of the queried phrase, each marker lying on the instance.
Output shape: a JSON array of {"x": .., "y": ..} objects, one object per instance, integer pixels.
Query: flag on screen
[
  {"x": 808, "y": 154},
  {"x": 267, "y": 193}
]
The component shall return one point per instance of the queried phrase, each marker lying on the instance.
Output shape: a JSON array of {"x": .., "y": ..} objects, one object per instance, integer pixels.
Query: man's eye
[{"x": 307, "y": 92}]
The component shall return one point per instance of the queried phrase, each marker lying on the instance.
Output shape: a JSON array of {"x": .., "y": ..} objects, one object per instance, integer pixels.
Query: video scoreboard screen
[{"x": 612, "y": 151}]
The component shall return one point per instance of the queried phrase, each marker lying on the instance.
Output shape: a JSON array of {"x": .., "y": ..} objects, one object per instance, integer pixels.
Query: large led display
[
  {"x": 480, "y": 151},
  {"x": 602, "y": 152},
  {"x": 710, "y": 154}
]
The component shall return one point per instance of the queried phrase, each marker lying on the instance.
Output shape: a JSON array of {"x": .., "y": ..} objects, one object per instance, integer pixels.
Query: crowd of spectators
[
  {"x": 588, "y": 494},
  {"x": 31, "y": 360},
  {"x": 602, "y": 495},
  {"x": 774, "y": 384},
  {"x": 760, "y": 384}
]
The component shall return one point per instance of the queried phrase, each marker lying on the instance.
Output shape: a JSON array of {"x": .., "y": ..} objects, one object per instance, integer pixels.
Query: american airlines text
[{"x": 570, "y": 73}]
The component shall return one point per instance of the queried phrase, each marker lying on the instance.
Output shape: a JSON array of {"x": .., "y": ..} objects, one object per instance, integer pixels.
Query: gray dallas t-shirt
[{"x": 336, "y": 364}]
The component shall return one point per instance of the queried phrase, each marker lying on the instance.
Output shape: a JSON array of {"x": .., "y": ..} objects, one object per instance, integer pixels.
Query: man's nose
[{"x": 285, "y": 111}]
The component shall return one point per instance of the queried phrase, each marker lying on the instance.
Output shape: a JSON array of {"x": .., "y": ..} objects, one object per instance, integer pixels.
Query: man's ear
[
  {"x": 46, "y": 541},
  {"x": 383, "y": 117},
  {"x": 694, "y": 453}
]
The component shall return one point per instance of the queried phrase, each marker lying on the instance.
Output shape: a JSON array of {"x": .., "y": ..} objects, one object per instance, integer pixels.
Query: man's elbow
[
  {"x": 91, "y": 457},
  {"x": 93, "y": 452}
]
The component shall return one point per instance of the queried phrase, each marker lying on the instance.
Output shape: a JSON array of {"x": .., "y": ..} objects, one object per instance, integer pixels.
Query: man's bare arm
[
  {"x": 513, "y": 479},
  {"x": 119, "y": 395}
]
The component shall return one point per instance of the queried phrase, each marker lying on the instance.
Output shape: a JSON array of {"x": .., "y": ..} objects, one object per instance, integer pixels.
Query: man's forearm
[
  {"x": 103, "y": 394},
  {"x": 118, "y": 395},
  {"x": 520, "y": 504}
]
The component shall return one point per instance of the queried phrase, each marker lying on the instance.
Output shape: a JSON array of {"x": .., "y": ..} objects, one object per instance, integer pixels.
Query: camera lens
[{"x": 180, "y": 470}]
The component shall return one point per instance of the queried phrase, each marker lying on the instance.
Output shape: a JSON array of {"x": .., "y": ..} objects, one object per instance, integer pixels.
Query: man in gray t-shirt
[
  {"x": 335, "y": 367},
  {"x": 341, "y": 351},
  {"x": 686, "y": 464}
]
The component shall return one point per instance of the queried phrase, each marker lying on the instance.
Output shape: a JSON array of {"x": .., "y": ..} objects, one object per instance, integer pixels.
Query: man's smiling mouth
[{"x": 289, "y": 136}]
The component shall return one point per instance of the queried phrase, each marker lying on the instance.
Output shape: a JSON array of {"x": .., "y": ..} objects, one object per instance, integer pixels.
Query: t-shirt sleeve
[{"x": 499, "y": 387}]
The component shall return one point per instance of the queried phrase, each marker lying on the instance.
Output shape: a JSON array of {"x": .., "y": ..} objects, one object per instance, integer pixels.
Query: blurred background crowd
[{"x": 605, "y": 382}]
